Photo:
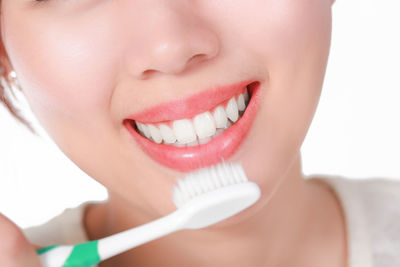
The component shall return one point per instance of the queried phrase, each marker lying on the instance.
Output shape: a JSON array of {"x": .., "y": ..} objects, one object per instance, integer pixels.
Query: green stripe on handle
[
  {"x": 83, "y": 255},
  {"x": 44, "y": 250}
]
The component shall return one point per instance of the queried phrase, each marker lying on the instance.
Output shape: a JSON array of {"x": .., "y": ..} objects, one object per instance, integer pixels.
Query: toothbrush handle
[
  {"x": 92, "y": 252},
  {"x": 128, "y": 239}
]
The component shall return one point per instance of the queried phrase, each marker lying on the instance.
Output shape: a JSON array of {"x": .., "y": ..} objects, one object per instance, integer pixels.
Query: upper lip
[{"x": 190, "y": 106}]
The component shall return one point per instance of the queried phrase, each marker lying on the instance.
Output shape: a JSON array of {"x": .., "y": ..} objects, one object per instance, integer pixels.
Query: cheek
[
  {"x": 286, "y": 30},
  {"x": 65, "y": 68},
  {"x": 291, "y": 40},
  {"x": 68, "y": 71}
]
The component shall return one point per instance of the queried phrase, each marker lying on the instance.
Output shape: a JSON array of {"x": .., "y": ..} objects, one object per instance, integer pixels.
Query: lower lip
[{"x": 221, "y": 147}]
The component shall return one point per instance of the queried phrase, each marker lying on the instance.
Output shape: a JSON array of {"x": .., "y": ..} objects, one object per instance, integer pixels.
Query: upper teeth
[{"x": 201, "y": 128}]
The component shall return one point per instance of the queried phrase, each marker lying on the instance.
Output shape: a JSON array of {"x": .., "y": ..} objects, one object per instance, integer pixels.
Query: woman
[{"x": 118, "y": 85}]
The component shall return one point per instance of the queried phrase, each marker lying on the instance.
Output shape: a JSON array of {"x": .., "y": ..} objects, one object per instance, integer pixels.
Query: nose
[{"x": 171, "y": 40}]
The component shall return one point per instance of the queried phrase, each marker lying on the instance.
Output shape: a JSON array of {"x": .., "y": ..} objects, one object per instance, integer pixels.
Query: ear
[{"x": 4, "y": 59}]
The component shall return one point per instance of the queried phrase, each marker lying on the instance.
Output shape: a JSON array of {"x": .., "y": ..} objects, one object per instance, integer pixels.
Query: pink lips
[{"x": 189, "y": 158}]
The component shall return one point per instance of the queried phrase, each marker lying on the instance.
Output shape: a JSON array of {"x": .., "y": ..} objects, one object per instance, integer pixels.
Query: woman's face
[{"x": 90, "y": 68}]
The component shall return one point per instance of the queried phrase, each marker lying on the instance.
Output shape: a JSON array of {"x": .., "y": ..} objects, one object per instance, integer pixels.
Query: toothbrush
[{"x": 203, "y": 197}]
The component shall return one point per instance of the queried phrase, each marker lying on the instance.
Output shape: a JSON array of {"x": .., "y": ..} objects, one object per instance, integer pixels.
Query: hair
[{"x": 6, "y": 67}]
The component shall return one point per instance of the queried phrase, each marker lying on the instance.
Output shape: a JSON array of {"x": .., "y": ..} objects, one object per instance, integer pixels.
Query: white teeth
[
  {"x": 232, "y": 110},
  {"x": 240, "y": 103},
  {"x": 194, "y": 143},
  {"x": 144, "y": 129},
  {"x": 167, "y": 134},
  {"x": 155, "y": 133},
  {"x": 246, "y": 96},
  {"x": 204, "y": 140},
  {"x": 219, "y": 132},
  {"x": 204, "y": 125},
  {"x": 199, "y": 130},
  {"x": 139, "y": 126},
  {"x": 184, "y": 131},
  {"x": 220, "y": 117},
  {"x": 178, "y": 144}
]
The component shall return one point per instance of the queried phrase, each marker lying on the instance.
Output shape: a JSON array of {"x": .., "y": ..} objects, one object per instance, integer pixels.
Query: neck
[{"x": 301, "y": 220}]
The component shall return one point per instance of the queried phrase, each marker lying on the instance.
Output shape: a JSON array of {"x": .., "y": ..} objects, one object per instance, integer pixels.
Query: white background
[{"x": 355, "y": 132}]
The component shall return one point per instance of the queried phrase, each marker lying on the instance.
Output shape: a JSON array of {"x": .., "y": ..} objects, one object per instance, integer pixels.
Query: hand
[{"x": 15, "y": 249}]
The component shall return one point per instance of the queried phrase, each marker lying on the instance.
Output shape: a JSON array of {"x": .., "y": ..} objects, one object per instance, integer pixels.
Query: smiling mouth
[{"x": 199, "y": 129}]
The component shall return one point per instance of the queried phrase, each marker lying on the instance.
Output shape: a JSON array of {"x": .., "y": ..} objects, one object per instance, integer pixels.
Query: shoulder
[
  {"x": 65, "y": 228},
  {"x": 378, "y": 194},
  {"x": 372, "y": 213}
]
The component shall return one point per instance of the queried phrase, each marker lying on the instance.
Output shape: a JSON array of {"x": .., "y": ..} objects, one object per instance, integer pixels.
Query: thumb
[{"x": 15, "y": 249}]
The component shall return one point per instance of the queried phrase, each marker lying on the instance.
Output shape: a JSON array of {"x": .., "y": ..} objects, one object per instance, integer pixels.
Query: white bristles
[{"x": 207, "y": 179}]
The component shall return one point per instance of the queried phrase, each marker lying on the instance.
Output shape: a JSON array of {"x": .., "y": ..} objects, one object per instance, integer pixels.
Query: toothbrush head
[
  {"x": 206, "y": 180},
  {"x": 215, "y": 193}
]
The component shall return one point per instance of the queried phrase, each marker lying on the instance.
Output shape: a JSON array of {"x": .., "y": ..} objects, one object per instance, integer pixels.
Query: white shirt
[
  {"x": 371, "y": 208},
  {"x": 372, "y": 214}
]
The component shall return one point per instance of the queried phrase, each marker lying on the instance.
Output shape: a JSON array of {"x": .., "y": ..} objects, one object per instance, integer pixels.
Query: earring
[
  {"x": 10, "y": 85},
  {"x": 14, "y": 83}
]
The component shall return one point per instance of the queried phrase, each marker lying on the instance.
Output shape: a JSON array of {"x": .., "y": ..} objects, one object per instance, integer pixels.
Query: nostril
[
  {"x": 147, "y": 73},
  {"x": 197, "y": 58}
]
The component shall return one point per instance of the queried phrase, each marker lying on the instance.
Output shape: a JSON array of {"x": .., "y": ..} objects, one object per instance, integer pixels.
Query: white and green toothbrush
[{"x": 203, "y": 197}]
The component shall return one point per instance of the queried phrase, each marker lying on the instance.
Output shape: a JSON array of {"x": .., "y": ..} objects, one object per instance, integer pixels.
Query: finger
[{"x": 15, "y": 250}]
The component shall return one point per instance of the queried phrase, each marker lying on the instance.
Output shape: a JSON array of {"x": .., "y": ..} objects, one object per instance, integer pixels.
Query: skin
[{"x": 84, "y": 66}]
